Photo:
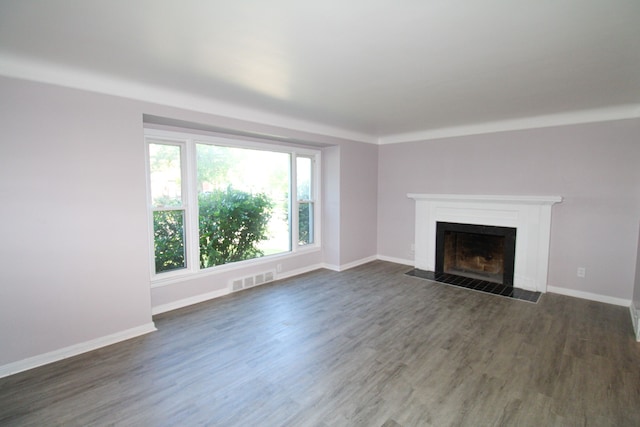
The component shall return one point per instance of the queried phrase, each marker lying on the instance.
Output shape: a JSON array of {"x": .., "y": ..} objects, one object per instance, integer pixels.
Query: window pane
[
  {"x": 305, "y": 223},
  {"x": 303, "y": 168},
  {"x": 243, "y": 199},
  {"x": 168, "y": 238},
  {"x": 165, "y": 175}
]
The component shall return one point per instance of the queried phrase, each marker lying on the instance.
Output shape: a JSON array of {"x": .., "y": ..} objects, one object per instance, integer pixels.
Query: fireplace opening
[{"x": 476, "y": 251}]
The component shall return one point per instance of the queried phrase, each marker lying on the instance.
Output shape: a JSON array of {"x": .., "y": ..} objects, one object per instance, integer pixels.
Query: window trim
[
  {"x": 188, "y": 142},
  {"x": 311, "y": 201},
  {"x": 185, "y": 207}
]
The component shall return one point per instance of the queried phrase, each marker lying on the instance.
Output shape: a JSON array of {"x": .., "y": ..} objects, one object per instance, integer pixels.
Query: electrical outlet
[{"x": 582, "y": 272}]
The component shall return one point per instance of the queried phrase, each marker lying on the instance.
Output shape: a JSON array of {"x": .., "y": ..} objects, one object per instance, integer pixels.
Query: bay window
[{"x": 216, "y": 201}]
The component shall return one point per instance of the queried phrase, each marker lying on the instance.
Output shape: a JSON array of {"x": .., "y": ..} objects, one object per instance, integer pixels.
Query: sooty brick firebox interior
[{"x": 476, "y": 251}]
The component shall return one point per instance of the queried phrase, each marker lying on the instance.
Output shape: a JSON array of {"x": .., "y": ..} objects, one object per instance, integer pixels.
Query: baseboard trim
[
  {"x": 634, "y": 320},
  {"x": 353, "y": 264},
  {"x": 74, "y": 350},
  {"x": 299, "y": 271},
  {"x": 402, "y": 261},
  {"x": 362, "y": 261},
  {"x": 589, "y": 296},
  {"x": 163, "y": 308},
  {"x": 357, "y": 263},
  {"x": 331, "y": 267}
]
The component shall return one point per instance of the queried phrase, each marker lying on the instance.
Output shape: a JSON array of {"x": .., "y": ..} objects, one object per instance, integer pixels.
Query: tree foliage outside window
[
  {"x": 249, "y": 179},
  {"x": 305, "y": 200},
  {"x": 232, "y": 223},
  {"x": 168, "y": 237},
  {"x": 304, "y": 223}
]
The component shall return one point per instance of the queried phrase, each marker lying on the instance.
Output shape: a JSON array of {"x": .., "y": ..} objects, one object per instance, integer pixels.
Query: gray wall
[
  {"x": 331, "y": 206},
  {"x": 74, "y": 259},
  {"x": 74, "y": 253},
  {"x": 593, "y": 166},
  {"x": 358, "y": 198}
]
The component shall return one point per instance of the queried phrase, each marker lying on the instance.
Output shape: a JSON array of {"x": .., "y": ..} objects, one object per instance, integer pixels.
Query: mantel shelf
[{"x": 535, "y": 200}]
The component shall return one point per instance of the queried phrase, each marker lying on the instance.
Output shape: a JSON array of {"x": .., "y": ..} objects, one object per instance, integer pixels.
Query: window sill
[{"x": 185, "y": 275}]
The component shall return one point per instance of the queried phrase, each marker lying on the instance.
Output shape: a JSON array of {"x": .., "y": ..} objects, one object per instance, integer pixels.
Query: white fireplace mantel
[{"x": 529, "y": 215}]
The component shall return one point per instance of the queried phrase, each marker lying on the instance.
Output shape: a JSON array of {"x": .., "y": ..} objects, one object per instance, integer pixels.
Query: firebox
[{"x": 477, "y": 251}]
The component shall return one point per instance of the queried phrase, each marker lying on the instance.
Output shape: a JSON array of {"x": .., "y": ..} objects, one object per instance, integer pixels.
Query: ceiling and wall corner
[{"x": 378, "y": 71}]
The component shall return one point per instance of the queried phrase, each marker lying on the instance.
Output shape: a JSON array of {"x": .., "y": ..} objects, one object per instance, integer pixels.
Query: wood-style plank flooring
[{"x": 366, "y": 347}]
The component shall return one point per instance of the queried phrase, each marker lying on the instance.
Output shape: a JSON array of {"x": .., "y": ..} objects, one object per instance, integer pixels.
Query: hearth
[{"x": 482, "y": 252}]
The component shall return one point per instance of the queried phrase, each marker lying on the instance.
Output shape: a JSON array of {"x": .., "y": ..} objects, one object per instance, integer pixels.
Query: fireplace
[
  {"x": 530, "y": 216},
  {"x": 477, "y": 251}
]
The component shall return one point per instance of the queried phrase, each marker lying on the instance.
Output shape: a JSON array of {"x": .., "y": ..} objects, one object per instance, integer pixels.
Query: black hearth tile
[
  {"x": 444, "y": 278},
  {"x": 533, "y": 296},
  {"x": 469, "y": 282},
  {"x": 477, "y": 285},
  {"x": 449, "y": 278},
  {"x": 460, "y": 283},
  {"x": 481, "y": 285},
  {"x": 456, "y": 280},
  {"x": 472, "y": 283},
  {"x": 423, "y": 274},
  {"x": 526, "y": 295},
  {"x": 441, "y": 277},
  {"x": 490, "y": 287},
  {"x": 465, "y": 282},
  {"x": 498, "y": 289},
  {"x": 517, "y": 292},
  {"x": 507, "y": 291}
]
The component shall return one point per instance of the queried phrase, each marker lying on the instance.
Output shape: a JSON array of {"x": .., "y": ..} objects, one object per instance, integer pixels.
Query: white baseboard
[
  {"x": 344, "y": 267},
  {"x": 590, "y": 296},
  {"x": 353, "y": 264},
  {"x": 74, "y": 350},
  {"x": 299, "y": 271},
  {"x": 188, "y": 301},
  {"x": 358, "y": 262},
  {"x": 634, "y": 320},
  {"x": 331, "y": 267},
  {"x": 397, "y": 260}
]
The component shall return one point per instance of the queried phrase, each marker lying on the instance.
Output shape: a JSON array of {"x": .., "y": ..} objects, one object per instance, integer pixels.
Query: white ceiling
[{"x": 374, "y": 70}]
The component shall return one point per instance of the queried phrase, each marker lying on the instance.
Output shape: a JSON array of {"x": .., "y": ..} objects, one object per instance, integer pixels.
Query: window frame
[
  {"x": 185, "y": 205},
  {"x": 311, "y": 201},
  {"x": 188, "y": 142}
]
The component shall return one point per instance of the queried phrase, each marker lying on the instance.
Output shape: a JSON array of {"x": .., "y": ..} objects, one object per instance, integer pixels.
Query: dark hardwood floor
[{"x": 365, "y": 347}]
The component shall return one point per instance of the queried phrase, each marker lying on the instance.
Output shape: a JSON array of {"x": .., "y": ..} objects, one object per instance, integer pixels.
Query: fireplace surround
[{"x": 530, "y": 216}]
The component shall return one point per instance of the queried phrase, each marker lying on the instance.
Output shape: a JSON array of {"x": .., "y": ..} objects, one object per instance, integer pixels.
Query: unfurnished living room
[{"x": 356, "y": 213}]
